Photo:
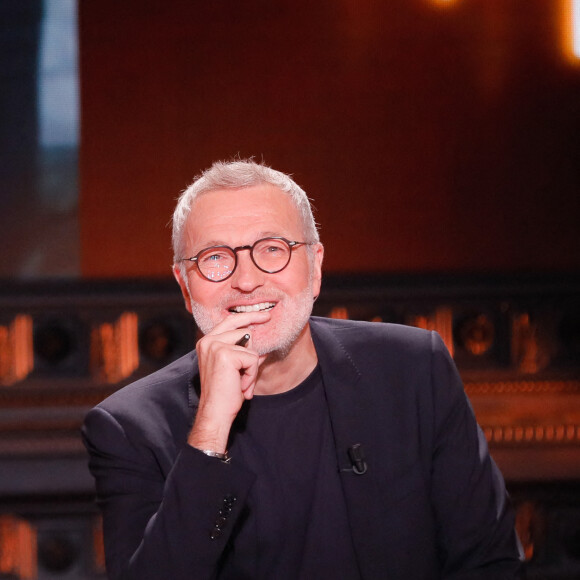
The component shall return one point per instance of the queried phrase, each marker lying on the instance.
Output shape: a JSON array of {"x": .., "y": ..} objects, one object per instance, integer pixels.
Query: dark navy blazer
[{"x": 431, "y": 503}]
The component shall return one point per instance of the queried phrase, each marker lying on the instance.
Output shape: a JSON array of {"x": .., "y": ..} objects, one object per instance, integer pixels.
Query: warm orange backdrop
[{"x": 430, "y": 138}]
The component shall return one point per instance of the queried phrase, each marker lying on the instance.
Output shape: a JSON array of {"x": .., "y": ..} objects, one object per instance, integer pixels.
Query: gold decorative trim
[
  {"x": 16, "y": 351},
  {"x": 526, "y": 434},
  {"x": 18, "y": 557},
  {"x": 440, "y": 320},
  {"x": 521, "y": 387},
  {"x": 115, "y": 348}
]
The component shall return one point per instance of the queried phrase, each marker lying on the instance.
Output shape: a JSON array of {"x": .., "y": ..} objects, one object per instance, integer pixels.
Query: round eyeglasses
[{"x": 270, "y": 255}]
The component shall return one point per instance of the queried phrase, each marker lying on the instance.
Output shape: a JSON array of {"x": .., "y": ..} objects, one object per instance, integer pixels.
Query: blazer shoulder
[
  {"x": 172, "y": 382},
  {"x": 353, "y": 333}
]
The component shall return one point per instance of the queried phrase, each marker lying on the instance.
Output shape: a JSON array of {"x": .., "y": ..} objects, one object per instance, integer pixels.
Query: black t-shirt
[{"x": 294, "y": 525}]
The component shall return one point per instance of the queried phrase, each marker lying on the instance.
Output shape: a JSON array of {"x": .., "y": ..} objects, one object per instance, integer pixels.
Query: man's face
[{"x": 240, "y": 217}]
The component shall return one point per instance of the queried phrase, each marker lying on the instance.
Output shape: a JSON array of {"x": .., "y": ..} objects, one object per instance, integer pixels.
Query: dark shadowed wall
[{"x": 431, "y": 136}]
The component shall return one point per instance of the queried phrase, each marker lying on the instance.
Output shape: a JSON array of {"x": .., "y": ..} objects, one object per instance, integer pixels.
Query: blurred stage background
[{"x": 440, "y": 141}]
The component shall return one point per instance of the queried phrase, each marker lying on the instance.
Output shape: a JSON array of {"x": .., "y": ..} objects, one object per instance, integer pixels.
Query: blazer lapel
[{"x": 350, "y": 424}]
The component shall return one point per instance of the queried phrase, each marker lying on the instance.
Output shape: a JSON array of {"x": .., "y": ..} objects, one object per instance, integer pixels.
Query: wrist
[
  {"x": 207, "y": 435},
  {"x": 215, "y": 415}
]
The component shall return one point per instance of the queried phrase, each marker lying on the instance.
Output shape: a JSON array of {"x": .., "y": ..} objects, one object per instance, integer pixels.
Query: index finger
[{"x": 241, "y": 320}]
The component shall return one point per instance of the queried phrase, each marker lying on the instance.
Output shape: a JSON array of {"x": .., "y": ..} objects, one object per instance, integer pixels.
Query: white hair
[{"x": 235, "y": 175}]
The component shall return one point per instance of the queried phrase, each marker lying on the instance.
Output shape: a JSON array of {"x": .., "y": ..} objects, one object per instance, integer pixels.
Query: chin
[
  {"x": 281, "y": 335},
  {"x": 278, "y": 335}
]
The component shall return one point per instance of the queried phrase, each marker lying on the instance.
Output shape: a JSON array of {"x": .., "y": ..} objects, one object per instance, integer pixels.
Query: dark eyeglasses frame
[{"x": 291, "y": 245}]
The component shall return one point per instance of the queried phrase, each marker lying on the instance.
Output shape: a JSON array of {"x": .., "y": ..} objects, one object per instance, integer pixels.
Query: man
[{"x": 289, "y": 447}]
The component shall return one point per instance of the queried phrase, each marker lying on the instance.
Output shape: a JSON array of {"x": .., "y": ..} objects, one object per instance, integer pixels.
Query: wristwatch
[{"x": 221, "y": 456}]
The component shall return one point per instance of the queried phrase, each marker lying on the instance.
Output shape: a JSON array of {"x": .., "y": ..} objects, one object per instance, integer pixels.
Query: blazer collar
[{"x": 340, "y": 376}]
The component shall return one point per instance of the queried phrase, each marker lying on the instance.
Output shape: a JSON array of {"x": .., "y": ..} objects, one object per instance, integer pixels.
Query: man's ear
[
  {"x": 318, "y": 250},
  {"x": 183, "y": 286}
]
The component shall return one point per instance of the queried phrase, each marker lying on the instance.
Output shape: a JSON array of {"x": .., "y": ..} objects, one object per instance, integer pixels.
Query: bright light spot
[
  {"x": 576, "y": 28},
  {"x": 571, "y": 29},
  {"x": 58, "y": 101}
]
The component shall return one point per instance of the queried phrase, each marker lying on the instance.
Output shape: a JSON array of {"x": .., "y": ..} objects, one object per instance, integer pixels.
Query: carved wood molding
[
  {"x": 548, "y": 434},
  {"x": 522, "y": 387}
]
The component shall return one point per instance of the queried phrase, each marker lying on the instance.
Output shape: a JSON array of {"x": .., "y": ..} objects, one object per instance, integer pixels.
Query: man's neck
[{"x": 278, "y": 375}]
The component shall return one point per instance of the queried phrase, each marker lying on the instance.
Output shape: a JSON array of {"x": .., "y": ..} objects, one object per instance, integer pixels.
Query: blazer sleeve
[
  {"x": 155, "y": 526},
  {"x": 477, "y": 539}
]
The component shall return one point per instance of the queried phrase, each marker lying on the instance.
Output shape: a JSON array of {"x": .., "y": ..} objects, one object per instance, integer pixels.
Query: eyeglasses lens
[
  {"x": 216, "y": 263},
  {"x": 270, "y": 255}
]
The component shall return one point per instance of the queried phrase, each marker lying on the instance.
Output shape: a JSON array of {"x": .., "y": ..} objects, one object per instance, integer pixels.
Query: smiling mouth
[{"x": 261, "y": 307}]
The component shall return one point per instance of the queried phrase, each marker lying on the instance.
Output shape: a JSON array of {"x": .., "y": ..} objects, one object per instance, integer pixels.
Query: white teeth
[{"x": 253, "y": 307}]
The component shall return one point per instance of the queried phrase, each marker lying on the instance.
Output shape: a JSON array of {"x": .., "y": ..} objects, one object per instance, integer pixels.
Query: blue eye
[
  {"x": 271, "y": 247},
  {"x": 214, "y": 256}
]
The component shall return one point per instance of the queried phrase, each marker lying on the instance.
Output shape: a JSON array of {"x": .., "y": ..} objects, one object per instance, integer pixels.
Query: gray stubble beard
[{"x": 288, "y": 329}]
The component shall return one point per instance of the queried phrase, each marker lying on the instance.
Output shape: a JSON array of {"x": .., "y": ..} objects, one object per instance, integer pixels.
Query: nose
[{"x": 247, "y": 276}]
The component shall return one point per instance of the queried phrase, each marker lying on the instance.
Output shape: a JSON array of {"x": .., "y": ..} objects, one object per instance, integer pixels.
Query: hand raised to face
[{"x": 228, "y": 373}]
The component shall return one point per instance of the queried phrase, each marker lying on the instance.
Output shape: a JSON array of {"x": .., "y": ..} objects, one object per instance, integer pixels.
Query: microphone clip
[{"x": 357, "y": 458}]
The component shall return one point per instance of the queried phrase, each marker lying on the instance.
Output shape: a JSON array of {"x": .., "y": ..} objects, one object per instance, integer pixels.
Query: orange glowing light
[
  {"x": 571, "y": 29},
  {"x": 444, "y": 3}
]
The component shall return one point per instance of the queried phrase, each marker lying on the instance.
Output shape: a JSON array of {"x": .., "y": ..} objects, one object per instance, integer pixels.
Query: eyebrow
[{"x": 260, "y": 236}]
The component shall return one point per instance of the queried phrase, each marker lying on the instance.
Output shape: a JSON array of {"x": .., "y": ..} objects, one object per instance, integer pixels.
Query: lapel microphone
[{"x": 357, "y": 458}]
